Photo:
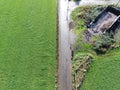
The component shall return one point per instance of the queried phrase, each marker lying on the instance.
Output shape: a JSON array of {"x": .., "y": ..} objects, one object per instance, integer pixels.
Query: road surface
[{"x": 65, "y": 82}]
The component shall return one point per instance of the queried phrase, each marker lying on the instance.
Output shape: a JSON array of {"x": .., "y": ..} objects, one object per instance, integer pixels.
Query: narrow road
[{"x": 64, "y": 77}]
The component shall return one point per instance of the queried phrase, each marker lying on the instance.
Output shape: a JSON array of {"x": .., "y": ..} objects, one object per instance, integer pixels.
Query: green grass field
[
  {"x": 27, "y": 44},
  {"x": 104, "y": 73}
]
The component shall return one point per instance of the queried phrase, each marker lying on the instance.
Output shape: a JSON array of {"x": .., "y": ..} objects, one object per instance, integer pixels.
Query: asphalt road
[{"x": 65, "y": 82}]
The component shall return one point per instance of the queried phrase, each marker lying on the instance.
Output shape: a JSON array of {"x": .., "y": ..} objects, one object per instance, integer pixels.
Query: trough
[{"x": 108, "y": 20}]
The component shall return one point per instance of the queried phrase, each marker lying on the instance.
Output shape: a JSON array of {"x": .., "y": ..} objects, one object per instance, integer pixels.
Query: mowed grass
[
  {"x": 27, "y": 44},
  {"x": 104, "y": 73}
]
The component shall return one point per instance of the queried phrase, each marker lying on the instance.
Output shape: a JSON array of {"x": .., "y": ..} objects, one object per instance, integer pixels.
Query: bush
[
  {"x": 86, "y": 14},
  {"x": 103, "y": 44}
]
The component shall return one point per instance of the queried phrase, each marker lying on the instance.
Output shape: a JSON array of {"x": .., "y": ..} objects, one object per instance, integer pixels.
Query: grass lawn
[
  {"x": 27, "y": 44},
  {"x": 104, "y": 73}
]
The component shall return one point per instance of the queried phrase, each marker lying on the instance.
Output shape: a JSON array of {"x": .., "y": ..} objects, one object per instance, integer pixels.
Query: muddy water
[
  {"x": 64, "y": 48},
  {"x": 103, "y": 23}
]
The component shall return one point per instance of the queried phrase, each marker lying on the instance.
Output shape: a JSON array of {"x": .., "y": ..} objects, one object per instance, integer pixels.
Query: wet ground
[{"x": 64, "y": 47}]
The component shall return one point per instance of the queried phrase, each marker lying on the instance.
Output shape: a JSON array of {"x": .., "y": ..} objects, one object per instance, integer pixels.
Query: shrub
[{"x": 103, "y": 44}]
